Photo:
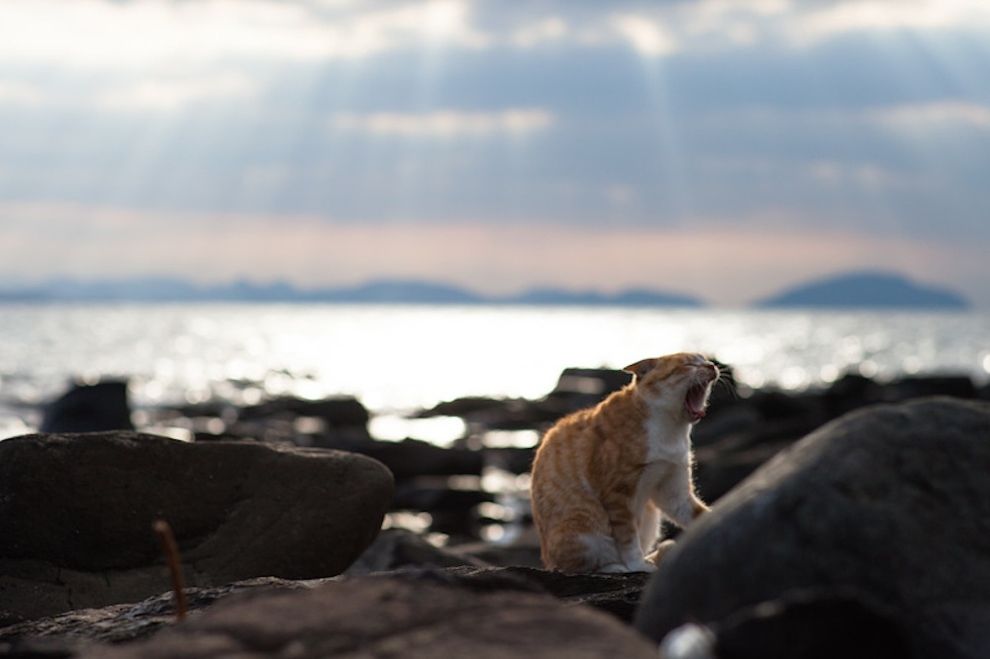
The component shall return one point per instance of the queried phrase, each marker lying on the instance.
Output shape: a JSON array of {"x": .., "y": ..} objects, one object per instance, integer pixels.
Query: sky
[{"x": 725, "y": 149}]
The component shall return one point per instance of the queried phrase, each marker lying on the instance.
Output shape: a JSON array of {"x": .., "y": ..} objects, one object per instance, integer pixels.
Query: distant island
[
  {"x": 860, "y": 290},
  {"x": 385, "y": 291},
  {"x": 866, "y": 290}
]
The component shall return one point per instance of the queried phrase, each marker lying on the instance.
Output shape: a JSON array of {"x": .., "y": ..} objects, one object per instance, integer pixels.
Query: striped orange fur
[{"x": 603, "y": 476}]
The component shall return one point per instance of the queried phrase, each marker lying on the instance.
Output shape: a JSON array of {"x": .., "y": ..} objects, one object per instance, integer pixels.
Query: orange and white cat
[{"x": 603, "y": 476}]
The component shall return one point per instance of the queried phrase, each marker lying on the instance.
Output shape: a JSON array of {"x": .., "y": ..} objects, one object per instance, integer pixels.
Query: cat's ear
[{"x": 641, "y": 368}]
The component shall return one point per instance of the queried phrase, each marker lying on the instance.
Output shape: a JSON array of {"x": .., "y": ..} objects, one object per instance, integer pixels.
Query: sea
[{"x": 398, "y": 359}]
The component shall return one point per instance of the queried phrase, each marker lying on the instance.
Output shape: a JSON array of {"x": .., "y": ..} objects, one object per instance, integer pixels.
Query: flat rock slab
[
  {"x": 390, "y": 616},
  {"x": 73, "y": 632},
  {"x": 892, "y": 501},
  {"x": 69, "y": 633},
  {"x": 76, "y": 514}
]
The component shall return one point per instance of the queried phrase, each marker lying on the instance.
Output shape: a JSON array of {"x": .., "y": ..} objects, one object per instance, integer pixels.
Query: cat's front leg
[
  {"x": 626, "y": 535},
  {"x": 677, "y": 500},
  {"x": 632, "y": 557}
]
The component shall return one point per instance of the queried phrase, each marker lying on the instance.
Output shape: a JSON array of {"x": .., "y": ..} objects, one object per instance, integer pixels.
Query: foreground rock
[
  {"x": 892, "y": 501},
  {"x": 465, "y": 611},
  {"x": 392, "y": 617},
  {"x": 71, "y": 632},
  {"x": 76, "y": 514}
]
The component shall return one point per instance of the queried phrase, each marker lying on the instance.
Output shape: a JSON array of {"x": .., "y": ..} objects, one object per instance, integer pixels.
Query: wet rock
[
  {"x": 412, "y": 496},
  {"x": 90, "y": 408},
  {"x": 76, "y": 514},
  {"x": 429, "y": 616},
  {"x": 892, "y": 500},
  {"x": 453, "y": 511}
]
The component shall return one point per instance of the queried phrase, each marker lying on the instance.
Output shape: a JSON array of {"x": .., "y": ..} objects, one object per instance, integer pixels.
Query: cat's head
[{"x": 678, "y": 383}]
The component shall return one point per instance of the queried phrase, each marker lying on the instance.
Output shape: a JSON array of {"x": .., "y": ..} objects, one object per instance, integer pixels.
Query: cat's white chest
[{"x": 667, "y": 441}]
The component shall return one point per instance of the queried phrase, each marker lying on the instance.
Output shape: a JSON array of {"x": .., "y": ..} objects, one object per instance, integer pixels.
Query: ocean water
[{"x": 399, "y": 358}]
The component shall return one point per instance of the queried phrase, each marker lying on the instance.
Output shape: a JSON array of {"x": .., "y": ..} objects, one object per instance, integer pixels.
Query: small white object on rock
[{"x": 688, "y": 641}]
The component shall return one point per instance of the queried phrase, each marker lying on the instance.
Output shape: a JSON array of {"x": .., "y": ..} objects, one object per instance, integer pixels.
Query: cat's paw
[
  {"x": 657, "y": 554},
  {"x": 641, "y": 566},
  {"x": 614, "y": 568}
]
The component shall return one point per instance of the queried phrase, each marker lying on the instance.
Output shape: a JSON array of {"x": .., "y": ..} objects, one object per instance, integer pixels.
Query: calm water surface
[{"x": 397, "y": 358}]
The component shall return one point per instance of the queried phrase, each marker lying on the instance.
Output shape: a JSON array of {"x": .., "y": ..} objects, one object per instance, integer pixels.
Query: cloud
[
  {"x": 938, "y": 114},
  {"x": 446, "y": 124},
  {"x": 174, "y": 36},
  {"x": 830, "y": 19},
  {"x": 130, "y": 36},
  {"x": 166, "y": 94},
  {"x": 648, "y": 37},
  {"x": 539, "y": 32},
  {"x": 20, "y": 93}
]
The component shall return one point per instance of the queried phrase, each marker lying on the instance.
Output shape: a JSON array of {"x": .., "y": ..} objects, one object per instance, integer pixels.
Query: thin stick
[{"x": 171, "y": 551}]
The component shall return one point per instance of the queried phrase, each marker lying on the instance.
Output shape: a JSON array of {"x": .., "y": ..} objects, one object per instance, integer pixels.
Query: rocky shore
[{"x": 847, "y": 521}]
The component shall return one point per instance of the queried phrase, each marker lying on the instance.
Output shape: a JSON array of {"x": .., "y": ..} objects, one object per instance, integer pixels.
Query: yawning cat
[{"x": 603, "y": 476}]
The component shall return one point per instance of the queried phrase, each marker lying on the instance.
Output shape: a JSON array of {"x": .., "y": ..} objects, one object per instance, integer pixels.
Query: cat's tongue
[{"x": 694, "y": 402}]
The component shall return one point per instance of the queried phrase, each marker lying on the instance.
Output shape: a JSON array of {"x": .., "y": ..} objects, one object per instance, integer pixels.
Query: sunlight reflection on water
[{"x": 405, "y": 357}]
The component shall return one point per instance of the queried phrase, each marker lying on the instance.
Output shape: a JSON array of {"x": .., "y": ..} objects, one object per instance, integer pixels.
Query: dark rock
[
  {"x": 69, "y": 633},
  {"x": 892, "y": 500},
  {"x": 76, "y": 514},
  {"x": 512, "y": 460},
  {"x": 411, "y": 496},
  {"x": 90, "y": 408},
  {"x": 806, "y": 624},
  {"x": 452, "y": 511},
  {"x": 336, "y": 412},
  {"x": 722, "y": 421},
  {"x": 594, "y": 384},
  {"x": 517, "y": 554},
  {"x": 777, "y": 405},
  {"x": 616, "y": 594},
  {"x": 410, "y": 457},
  {"x": 719, "y": 468},
  {"x": 386, "y": 616},
  {"x": 957, "y": 386},
  {"x": 576, "y": 389},
  {"x": 850, "y": 392},
  {"x": 398, "y": 548},
  {"x": 90, "y": 629},
  {"x": 464, "y": 407}
]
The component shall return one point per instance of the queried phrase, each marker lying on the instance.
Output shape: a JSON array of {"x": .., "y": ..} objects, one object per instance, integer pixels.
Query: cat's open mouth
[{"x": 695, "y": 401}]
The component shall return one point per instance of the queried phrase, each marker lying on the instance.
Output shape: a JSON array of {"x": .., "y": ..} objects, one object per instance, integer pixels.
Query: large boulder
[
  {"x": 76, "y": 514},
  {"x": 395, "y": 616},
  {"x": 893, "y": 501}
]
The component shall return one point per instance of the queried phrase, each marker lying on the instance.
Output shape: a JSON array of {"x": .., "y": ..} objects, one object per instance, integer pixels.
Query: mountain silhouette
[{"x": 864, "y": 290}]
